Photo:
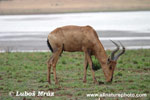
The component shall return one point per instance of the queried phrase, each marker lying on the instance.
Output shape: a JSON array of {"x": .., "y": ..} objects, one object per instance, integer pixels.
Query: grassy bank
[{"x": 27, "y": 72}]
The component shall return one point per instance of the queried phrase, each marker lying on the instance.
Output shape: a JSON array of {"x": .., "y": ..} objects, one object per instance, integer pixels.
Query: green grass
[{"x": 27, "y": 72}]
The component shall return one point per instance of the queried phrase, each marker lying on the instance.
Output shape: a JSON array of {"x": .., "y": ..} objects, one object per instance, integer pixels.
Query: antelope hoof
[
  {"x": 100, "y": 82},
  {"x": 84, "y": 81},
  {"x": 95, "y": 82},
  {"x": 57, "y": 83},
  {"x": 49, "y": 82}
]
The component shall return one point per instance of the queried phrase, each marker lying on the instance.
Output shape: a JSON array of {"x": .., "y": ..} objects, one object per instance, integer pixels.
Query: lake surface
[
  {"x": 31, "y": 29},
  {"x": 129, "y": 21}
]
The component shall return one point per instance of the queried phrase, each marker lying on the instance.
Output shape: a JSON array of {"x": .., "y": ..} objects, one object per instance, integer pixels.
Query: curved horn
[
  {"x": 114, "y": 51},
  {"x": 122, "y": 52}
]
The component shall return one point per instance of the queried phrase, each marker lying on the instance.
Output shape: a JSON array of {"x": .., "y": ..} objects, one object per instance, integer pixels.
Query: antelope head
[{"x": 112, "y": 60}]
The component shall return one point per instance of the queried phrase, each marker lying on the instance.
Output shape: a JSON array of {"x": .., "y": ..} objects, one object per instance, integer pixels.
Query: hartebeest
[{"x": 85, "y": 39}]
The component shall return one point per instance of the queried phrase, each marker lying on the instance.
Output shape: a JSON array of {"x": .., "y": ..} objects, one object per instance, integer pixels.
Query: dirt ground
[{"x": 62, "y": 6}]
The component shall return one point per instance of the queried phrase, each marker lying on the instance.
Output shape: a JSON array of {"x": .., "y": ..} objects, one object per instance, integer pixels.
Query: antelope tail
[{"x": 49, "y": 45}]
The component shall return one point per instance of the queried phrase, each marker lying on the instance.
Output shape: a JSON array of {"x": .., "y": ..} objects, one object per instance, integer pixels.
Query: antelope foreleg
[
  {"x": 91, "y": 64},
  {"x": 85, "y": 69}
]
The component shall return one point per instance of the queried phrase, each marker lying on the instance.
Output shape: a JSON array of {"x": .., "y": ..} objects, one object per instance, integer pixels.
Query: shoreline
[
  {"x": 38, "y": 44},
  {"x": 49, "y": 13}
]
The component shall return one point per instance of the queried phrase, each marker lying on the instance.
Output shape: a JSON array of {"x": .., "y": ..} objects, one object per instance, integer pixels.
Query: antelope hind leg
[{"x": 49, "y": 64}]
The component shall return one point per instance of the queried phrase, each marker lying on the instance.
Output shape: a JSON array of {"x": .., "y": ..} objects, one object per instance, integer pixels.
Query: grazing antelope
[{"x": 85, "y": 39}]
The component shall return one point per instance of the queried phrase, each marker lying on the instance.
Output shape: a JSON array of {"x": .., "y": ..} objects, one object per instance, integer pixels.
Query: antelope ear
[{"x": 108, "y": 61}]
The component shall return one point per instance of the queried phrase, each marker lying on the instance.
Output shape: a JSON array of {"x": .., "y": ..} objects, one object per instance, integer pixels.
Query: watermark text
[
  {"x": 33, "y": 93},
  {"x": 121, "y": 95}
]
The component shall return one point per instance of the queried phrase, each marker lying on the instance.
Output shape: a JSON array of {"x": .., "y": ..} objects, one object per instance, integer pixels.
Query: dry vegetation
[{"x": 61, "y": 6}]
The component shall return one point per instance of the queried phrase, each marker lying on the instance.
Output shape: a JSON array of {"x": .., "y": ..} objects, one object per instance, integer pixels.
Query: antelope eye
[
  {"x": 108, "y": 61},
  {"x": 110, "y": 67}
]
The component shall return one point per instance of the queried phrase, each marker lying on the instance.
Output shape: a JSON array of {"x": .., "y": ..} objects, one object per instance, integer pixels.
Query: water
[
  {"x": 29, "y": 32},
  {"x": 34, "y": 24}
]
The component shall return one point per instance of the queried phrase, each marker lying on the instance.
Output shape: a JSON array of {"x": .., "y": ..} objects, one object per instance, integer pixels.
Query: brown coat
[{"x": 79, "y": 38}]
